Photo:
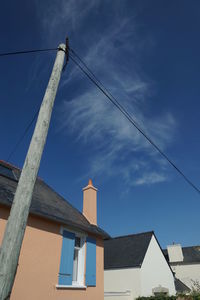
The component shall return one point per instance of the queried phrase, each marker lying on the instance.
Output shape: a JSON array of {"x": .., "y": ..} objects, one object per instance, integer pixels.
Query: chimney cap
[
  {"x": 90, "y": 185},
  {"x": 90, "y": 182}
]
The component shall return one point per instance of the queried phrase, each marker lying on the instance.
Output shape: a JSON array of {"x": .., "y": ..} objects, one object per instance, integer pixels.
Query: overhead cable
[
  {"x": 36, "y": 114},
  {"x": 22, "y": 136},
  {"x": 86, "y": 70},
  {"x": 26, "y": 51},
  {"x": 116, "y": 103}
]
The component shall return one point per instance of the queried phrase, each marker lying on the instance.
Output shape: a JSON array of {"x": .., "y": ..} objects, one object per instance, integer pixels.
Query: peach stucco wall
[{"x": 38, "y": 268}]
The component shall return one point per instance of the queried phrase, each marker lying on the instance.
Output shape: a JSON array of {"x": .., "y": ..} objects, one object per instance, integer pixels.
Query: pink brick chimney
[{"x": 90, "y": 203}]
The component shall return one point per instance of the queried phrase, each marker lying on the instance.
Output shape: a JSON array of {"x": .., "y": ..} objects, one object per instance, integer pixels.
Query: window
[
  {"x": 6, "y": 172},
  {"x": 72, "y": 262},
  {"x": 78, "y": 261},
  {"x": 72, "y": 259}
]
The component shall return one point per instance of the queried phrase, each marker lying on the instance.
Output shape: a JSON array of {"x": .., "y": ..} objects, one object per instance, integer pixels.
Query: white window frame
[{"x": 81, "y": 260}]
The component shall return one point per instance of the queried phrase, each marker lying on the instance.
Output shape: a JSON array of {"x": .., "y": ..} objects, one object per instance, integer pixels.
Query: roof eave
[{"x": 62, "y": 222}]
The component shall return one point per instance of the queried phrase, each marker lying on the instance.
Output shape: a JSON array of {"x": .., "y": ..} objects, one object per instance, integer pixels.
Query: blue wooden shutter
[
  {"x": 91, "y": 262},
  {"x": 67, "y": 256}
]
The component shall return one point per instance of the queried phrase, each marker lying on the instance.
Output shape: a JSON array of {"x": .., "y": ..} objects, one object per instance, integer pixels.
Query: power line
[
  {"x": 26, "y": 51},
  {"x": 23, "y": 135},
  {"x": 103, "y": 87},
  {"x": 111, "y": 98},
  {"x": 115, "y": 102},
  {"x": 36, "y": 114}
]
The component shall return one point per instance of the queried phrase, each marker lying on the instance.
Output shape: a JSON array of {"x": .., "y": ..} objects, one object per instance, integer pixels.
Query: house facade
[
  {"x": 185, "y": 262},
  {"x": 135, "y": 266},
  {"x": 62, "y": 255}
]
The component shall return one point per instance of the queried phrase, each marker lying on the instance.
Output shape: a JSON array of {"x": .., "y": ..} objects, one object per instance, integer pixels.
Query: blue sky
[{"x": 147, "y": 55}]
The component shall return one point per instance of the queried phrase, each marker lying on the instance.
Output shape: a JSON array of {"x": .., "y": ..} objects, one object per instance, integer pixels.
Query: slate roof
[
  {"x": 181, "y": 287},
  {"x": 191, "y": 255},
  {"x": 46, "y": 203},
  {"x": 126, "y": 251}
]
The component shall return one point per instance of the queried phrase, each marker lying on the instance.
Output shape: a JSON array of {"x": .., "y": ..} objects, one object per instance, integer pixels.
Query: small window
[
  {"x": 78, "y": 261},
  {"x": 77, "y": 242},
  {"x": 72, "y": 262},
  {"x": 6, "y": 172}
]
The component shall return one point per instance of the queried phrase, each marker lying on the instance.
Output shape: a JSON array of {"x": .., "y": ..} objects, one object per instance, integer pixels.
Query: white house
[
  {"x": 185, "y": 262},
  {"x": 134, "y": 266}
]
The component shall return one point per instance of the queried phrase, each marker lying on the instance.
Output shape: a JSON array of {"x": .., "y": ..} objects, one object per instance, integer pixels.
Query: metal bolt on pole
[{"x": 15, "y": 228}]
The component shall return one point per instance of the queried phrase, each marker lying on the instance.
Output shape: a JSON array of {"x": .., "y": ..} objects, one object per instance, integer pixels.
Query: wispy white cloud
[
  {"x": 58, "y": 18},
  {"x": 150, "y": 179},
  {"x": 113, "y": 53},
  {"x": 120, "y": 148}
]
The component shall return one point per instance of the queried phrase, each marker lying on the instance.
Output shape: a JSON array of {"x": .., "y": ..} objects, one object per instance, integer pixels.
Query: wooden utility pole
[{"x": 15, "y": 228}]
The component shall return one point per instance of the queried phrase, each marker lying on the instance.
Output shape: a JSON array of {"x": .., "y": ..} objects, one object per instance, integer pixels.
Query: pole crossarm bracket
[{"x": 65, "y": 48}]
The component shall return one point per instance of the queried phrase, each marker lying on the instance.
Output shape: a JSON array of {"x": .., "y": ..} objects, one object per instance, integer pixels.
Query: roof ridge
[
  {"x": 13, "y": 168},
  {"x": 183, "y": 247},
  {"x": 8, "y": 164},
  {"x": 191, "y": 246},
  {"x": 133, "y": 234},
  {"x": 40, "y": 179},
  {"x": 65, "y": 200}
]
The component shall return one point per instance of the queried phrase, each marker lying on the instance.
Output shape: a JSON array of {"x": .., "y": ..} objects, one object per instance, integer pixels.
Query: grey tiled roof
[
  {"x": 191, "y": 255},
  {"x": 181, "y": 287},
  {"x": 126, "y": 251},
  {"x": 47, "y": 203}
]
